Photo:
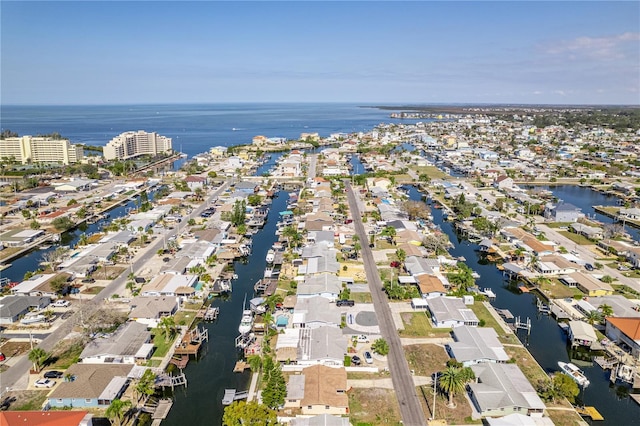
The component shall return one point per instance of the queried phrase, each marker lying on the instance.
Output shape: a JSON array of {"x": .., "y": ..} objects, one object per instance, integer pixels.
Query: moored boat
[
  {"x": 246, "y": 323},
  {"x": 574, "y": 372}
]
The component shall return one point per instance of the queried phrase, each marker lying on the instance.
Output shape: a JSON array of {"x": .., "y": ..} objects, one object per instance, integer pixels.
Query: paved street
[
  {"x": 402, "y": 379},
  {"x": 16, "y": 377}
]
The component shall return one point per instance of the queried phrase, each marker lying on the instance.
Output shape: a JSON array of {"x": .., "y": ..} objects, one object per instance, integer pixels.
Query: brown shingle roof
[{"x": 321, "y": 386}]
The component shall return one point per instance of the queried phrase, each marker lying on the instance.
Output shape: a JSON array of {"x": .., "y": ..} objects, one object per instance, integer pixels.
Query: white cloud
[{"x": 597, "y": 48}]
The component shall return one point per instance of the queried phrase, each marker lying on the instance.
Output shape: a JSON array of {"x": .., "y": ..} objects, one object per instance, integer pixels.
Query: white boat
[
  {"x": 246, "y": 323},
  {"x": 32, "y": 319},
  {"x": 271, "y": 255},
  {"x": 574, "y": 372}
]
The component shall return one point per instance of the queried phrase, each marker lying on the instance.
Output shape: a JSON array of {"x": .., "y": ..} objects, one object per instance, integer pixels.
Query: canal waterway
[
  {"x": 201, "y": 402},
  {"x": 546, "y": 342},
  {"x": 585, "y": 198}
]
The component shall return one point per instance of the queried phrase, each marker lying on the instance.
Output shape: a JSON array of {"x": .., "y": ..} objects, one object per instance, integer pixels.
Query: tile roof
[{"x": 629, "y": 326}]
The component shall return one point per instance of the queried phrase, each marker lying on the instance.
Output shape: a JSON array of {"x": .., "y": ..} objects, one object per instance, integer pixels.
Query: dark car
[
  {"x": 355, "y": 360},
  {"x": 53, "y": 374},
  {"x": 588, "y": 267},
  {"x": 89, "y": 280},
  {"x": 345, "y": 302}
]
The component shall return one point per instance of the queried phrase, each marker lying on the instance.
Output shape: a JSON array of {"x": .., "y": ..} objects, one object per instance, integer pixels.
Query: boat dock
[
  {"x": 590, "y": 412},
  {"x": 191, "y": 342},
  {"x": 165, "y": 380},
  {"x": 231, "y": 395},
  {"x": 505, "y": 314},
  {"x": 180, "y": 361},
  {"x": 240, "y": 366},
  {"x": 605, "y": 363},
  {"x": 208, "y": 314}
]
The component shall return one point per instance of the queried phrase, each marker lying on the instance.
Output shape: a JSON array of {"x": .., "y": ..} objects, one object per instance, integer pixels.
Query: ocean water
[{"x": 194, "y": 128}]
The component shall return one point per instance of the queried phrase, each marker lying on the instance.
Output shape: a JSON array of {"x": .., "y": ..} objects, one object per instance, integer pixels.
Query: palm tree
[
  {"x": 255, "y": 362},
  {"x": 167, "y": 326},
  {"x": 146, "y": 384},
  {"x": 39, "y": 357},
  {"x": 84, "y": 240},
  {"x": 117, "y": 411},
  {"x": 606, "y": 310},
  {"x": 593, "y": 317},
  {"x": 452, "y": 381}
]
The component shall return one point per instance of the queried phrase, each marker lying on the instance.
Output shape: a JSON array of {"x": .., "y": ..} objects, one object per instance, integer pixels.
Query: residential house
[
  {"x": 12, "y": 308},
  {"x": 320, "y": 420},
  {"x": 170, "y": 284},
  {"x": 630, "y": 213},
  {"x": 430, "y": 286},
  {"x": 419, "y": 265},
  {"x": 93, "y": 386},
  {"x": 502, "y": 389},
  {"x": 325, "y": 391},
  {"x": 555, "y": 265},
  {"x": 562, "y": 212},
  {"x": 591, "y": 232},
  {"x": 624, "y": 330},
  {"x": 449, "y": 312},
  {"x": 322, "y": 345},
  {"x": 20, "y": 237},
  {"x": 581, "y": 334},
  {"x": 633, "y": 256},
  {"x": 474, "y": 345},
  {"x": 40, "y": 285},
  {"x": 148, "y": 310},
  {"x": 195, "y": 182},
  {"x": 316, "y": 311},
  {"x": 503, "y": 182},
  {"x": 128, "y": 344},
  {"x": 591, "y": 286},
  {"x": 325, "y": 284}
]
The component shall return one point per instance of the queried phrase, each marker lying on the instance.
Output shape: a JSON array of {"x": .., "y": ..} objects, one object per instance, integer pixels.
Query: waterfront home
[
  {"x": 320, "y": 420},
  {"x": 319, "y": 390},
  {"x": 20, "y": 237},
  {"x": 503, "y": 182},
  {"x": 430, "y": 286},
  {"x": 46, "y": 418},
  {"x": 415, "y": 265},
  {"x": 591, "y": 232},
  {"x": 120, "y": 238},
  {"x": 590, "y": 286},
  {"x": 322, "y": 345},
  {"x": 287, "y": 343},
  {"x": 316, "y": 311},
  {"x": 40, "y": 285},
  {"x": 621, "y": 306},
  {"x": 630, "y": 213},
  {"x": 321, "y": 237},
  {"x": 409, "y": 237},
  {"x": 170, "y": 284},
  {"x": 318, "y": 222},
  {"x": 474, "y": 345},
  {"x": 625, "y": 331},
  {"x": 619, "y": 248},
  {"x": 562, "y": 212},
  {"x": 555, "y": 265},
  {"x": 502, "y": 389},
  {"x": 93, "y": 386},
  {"x": 14, "y": 307},
  {"x": 198, "y": 251},
  {"x": 149, "y": 310},
  {"x": 581, "y": 334},
  {"x": 127, "y": 345},
  {"x": 517, "y": 419},
  {"x": 450, "y": 312},
  {"x": 324, "y": 284},
  {"x": 633, "y": 256},
  {"x": 102, "y": 252}
]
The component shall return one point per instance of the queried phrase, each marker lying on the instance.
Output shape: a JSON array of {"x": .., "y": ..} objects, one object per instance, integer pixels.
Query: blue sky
[{"x": 376, "y": 52}]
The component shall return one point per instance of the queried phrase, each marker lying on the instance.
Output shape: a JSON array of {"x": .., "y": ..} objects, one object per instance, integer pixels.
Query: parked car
[
  {"x": 362, "y": 338},
  {"x": 61, "y": 304},
  {"x": 355, "y": 360},
  {"x": 44, "y": 383},
  {"x": 368, "y": 358},
  {"x": 89, "y": 280},
  {"x": 345, "y": 302},
  {"x": 588, "y": 267},
  {"x": 53, "y": 374},
  {"x": 2, "y": 357}
]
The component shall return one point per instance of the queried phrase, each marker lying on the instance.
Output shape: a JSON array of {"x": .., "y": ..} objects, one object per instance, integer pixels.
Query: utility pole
[{"x": 433, "y": 410}]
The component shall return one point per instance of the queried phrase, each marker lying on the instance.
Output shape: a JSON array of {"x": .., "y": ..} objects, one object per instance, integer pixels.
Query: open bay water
[{"x": 194, "y": 128}]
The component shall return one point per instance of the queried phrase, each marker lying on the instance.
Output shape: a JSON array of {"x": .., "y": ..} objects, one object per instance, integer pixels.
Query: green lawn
[
  {"x": 578, "y": 239},
  {"x": 361, "y": 297},
  {"x": 432, "y": 171},
  {"x": 161, "y": 344},
  {"x": 184, "y": 317},
  {"x": 418, "y": 324}
]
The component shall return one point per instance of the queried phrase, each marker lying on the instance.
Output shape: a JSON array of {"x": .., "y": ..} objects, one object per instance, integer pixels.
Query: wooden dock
[
  {"x": 590, "y": 412},
  {"x": 231, "y": 395},
  {"x": 180, "y": 361},
  {"x": 240, "y": 366},
  {"x": 505, "y": 314},
  {"x": 162, "y": 410},
  {"x": 191, "y": 342},
  {"x": 208, "y": 314}
]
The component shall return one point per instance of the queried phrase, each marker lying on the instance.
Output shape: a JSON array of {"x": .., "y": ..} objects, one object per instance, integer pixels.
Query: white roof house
[
  {"x": 449, "y": 312},
  {"x": 474, "y": 345},
  {"x": 314, "y": 312},
  {"x": 323, "y": 345},
  {"x": 169, "y": 284},
  {"x": 503, "y": 389},
  {"x": 324, "y": 284},
  {"x": 26, "y": 287},
  {"x": 120, "y": 347}
]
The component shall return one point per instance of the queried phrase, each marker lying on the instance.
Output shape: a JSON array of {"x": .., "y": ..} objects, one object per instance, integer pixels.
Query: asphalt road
[
  {"x": 403, "y": 384},
  {"x": 12, "y": 377}
]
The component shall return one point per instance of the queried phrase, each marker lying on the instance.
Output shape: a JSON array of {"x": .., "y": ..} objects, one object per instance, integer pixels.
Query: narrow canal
[
  {"x": 200, "y": 403},
  {"x": 546, "y": 342}
]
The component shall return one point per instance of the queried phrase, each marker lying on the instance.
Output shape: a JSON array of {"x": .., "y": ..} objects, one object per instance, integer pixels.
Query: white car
[
  {"x": 368, "y": 358},
  {"x": 44, "y": 383},
  {"x": 61, "y": 304}
]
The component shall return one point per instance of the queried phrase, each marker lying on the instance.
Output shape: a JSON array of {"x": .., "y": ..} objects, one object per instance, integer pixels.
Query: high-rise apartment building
[
  {"x": 29, "y": 149},
  {"x": 133, "y": 144}
]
